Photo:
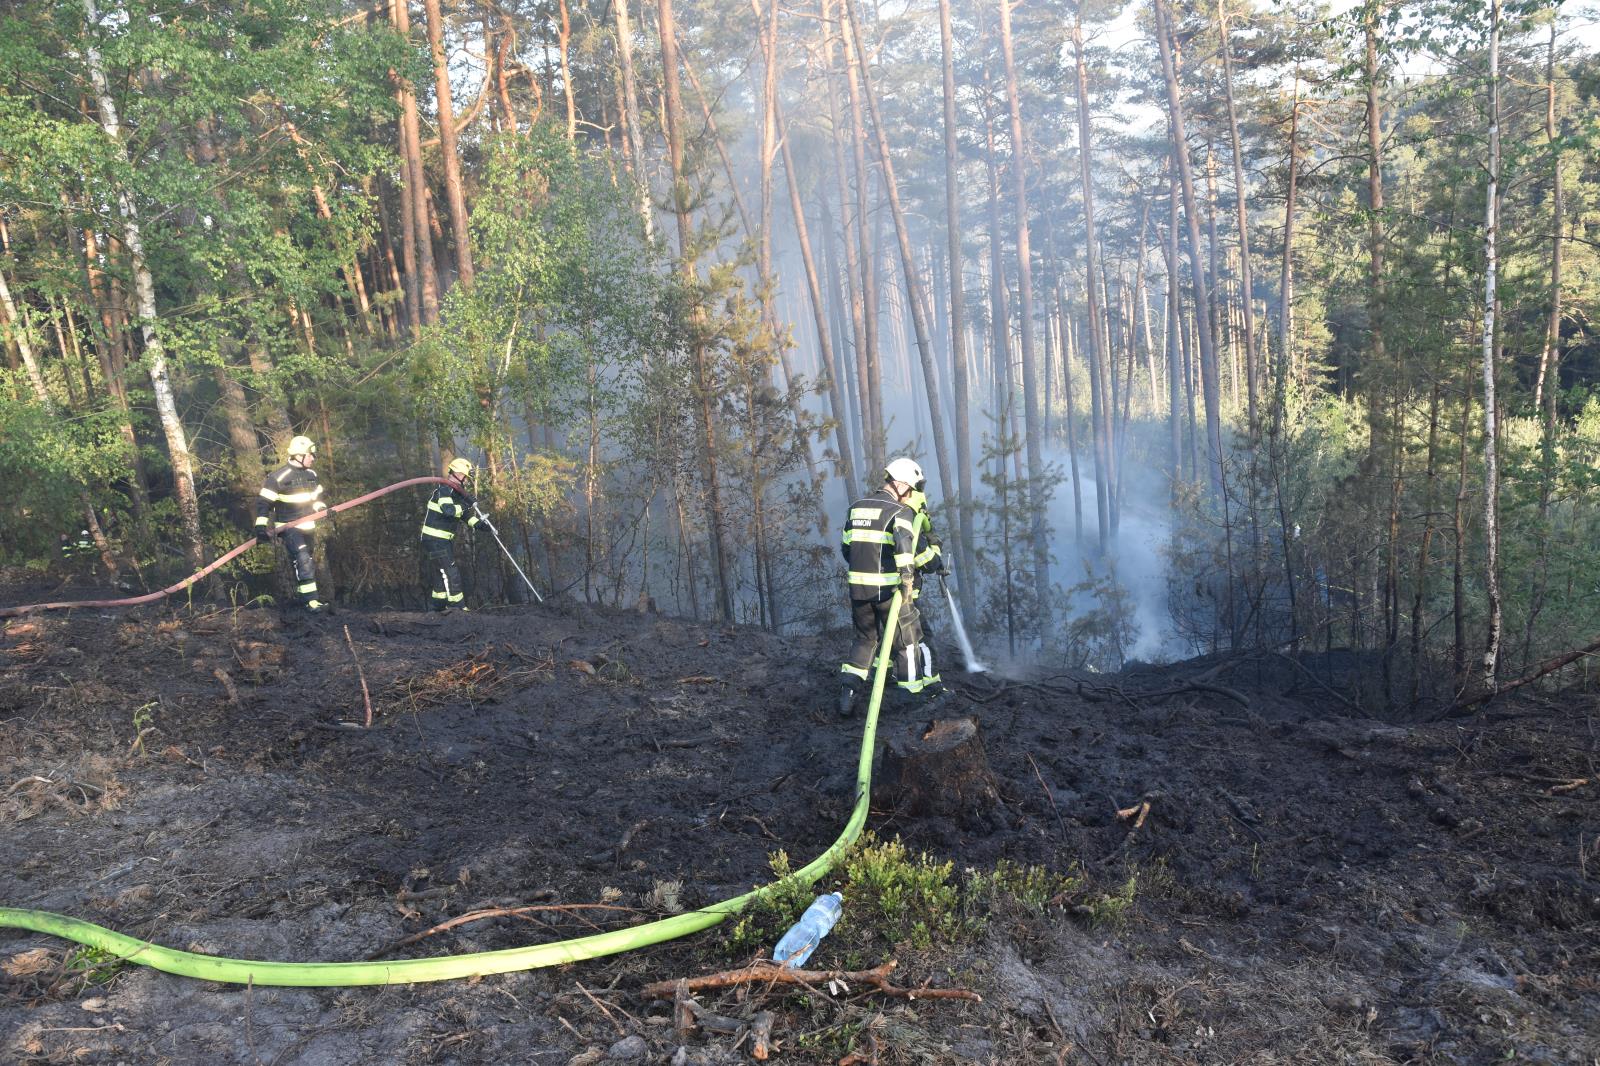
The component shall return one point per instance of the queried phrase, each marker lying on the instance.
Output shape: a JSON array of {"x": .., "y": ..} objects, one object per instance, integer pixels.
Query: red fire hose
[{"x": 151, "y": 597}]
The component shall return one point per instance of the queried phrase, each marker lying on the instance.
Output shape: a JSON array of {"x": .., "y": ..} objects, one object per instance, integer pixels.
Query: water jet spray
[{"x": 973, "y": 665}]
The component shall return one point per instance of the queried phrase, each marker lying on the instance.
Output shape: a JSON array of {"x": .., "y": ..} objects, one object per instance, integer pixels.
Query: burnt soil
[{"x": 1310, "y": 887}]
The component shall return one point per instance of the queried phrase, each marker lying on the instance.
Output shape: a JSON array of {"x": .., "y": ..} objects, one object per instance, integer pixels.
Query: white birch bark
[{"x": 155, "y": 356}]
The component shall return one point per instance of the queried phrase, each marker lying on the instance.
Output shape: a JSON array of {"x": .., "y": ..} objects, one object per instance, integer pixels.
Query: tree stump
[{"x": 939, "y": 768}]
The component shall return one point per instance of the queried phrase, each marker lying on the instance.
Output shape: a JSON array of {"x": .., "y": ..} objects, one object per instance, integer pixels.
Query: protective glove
[{"x": 263, "y": 535}]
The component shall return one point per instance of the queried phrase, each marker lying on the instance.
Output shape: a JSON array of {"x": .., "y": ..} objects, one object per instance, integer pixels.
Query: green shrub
[
  {"x": 92, "y": 966},
  {"x": 769, "y": 915},
  {"x": 1111, "y": 910},
  {"x": 904, "y": 899}
]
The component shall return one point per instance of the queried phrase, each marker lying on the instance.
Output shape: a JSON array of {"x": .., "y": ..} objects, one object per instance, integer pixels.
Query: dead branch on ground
[
  {"x": 491, "y": 912},
  {"x": 366, "y": 694},
  {"x": 688, "y": 1015},
  {"x": 227, "y": 685},
  {"x": 474, "y": 679},
  {"x": 764, "y": 971},
  {"x": 1138, "y": 812},
  {"x": 1473, "y": 695}
]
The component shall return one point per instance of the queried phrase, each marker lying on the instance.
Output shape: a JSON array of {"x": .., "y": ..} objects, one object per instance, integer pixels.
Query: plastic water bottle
[{"x": 803, "y": 936}]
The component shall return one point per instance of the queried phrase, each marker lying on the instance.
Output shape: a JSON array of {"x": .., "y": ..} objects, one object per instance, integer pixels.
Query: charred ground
[{"x": 1305, "y": 887}]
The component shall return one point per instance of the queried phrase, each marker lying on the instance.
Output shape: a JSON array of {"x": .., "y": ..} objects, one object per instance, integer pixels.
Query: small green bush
[
  {"x": 760, "y": 925},
  {"x": 904, "y": 899},
  {"x": 1111, "y": 910},
  {"x": 1033, "y": 887},
  {"x": 92, "y": 966}
]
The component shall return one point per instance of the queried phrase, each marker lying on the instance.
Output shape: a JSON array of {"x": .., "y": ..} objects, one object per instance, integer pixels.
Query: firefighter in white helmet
[
  {"x": 289, "y": 505},
  {"x": 879, "y": 545},
  {"x": 448, "y": 507}
]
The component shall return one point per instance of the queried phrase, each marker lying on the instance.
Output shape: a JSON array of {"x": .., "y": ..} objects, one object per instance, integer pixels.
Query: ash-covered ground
[{"x": 1305, "y": 887}]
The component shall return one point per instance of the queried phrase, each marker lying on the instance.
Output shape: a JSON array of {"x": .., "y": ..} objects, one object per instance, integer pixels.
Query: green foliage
[
  {"x": 1102, "y": 627},
  {"x": 760, "y": 925},
  {"x": 1006, "y": 520},
  {"x": 1033, "y": 887},
  {"x": 903, "y": 898},
  {"x": 832, "y": 1042},
  {"x": 894, "y": 899},
  {"x": 143, "y": 725},
  {"x": 60, "y": 459},
  {"x": 1110, "y": 910},
  {"x": 565, "y": 302},
  {"x": 91, "y": 967}
]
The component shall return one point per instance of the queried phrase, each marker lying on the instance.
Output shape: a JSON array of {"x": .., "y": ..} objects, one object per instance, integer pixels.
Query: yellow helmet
[
  {"x": 460, "y": 467},
  {"x": 301, "y": 446}
]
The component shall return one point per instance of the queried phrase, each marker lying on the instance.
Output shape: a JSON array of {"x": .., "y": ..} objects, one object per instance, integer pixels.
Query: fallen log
[
  {"x": 765, "y": 971},
  {"x": 1473, "y": 695}
]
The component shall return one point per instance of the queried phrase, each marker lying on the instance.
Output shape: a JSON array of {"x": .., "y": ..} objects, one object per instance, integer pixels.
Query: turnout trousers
[
  {"x": 298, "y": 544},
  {"x": 913, "y": 661},
  {"x": 444, "y": 576}
]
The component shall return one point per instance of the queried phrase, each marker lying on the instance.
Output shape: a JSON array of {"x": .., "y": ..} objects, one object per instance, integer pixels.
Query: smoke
[{"x": 1135, "y": 554}]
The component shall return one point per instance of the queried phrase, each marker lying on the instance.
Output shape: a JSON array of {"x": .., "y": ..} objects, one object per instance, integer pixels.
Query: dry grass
[
  {"x": 475, "y": 679},
  {"x": 85, "y": 785}
]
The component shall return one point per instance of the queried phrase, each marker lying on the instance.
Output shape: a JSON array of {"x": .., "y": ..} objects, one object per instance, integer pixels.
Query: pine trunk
[
  {"x": 835, "y": 386},
  {"x": 630, "y": 101},
  {"x": 1547, "y": 386},
  {"x": 1491, "y": 464},
  {"x": 1285, "y": 365},
  {"x": 420, "y": 263},
  {"x": 1093, "y": 280},
  {"x": 1174, "y": 337},
  {"x": 958, "y": 326},
  {"x": 1246, "y": 281},
  {"x": 869, "y": 431},
  {"x": 447, "y": 143},
  {"x": 1376, "y": 446},
  {"x": 908, "y": 265},
  {"x": 702, "y": 372},
  {"x": 1030, "y": 372},
  {"x": 1202, "y": 290},
  {"x": 871, "y": 372}
]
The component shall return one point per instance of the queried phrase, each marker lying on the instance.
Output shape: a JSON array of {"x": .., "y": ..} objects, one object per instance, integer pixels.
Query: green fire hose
[{"x": 450, "y": 967}]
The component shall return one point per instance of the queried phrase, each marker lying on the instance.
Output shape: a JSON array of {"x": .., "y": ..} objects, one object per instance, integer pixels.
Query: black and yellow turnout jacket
[
  {"x": 879, "y": 545},
  {"x": 291, "y": 497},
  {"x": 447, "y": 508}
]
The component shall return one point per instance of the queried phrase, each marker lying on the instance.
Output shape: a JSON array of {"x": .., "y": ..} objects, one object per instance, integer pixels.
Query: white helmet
[{"x": 903, "y": 470}]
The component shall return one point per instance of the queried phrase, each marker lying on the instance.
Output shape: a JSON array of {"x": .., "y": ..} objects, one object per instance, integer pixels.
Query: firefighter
[
  {"x": 79, "y": 553},
  {"x": 82, "y": 544},
  {"x": 448, "y": 507},
  {"x": 879, "y": 547},
  {"x": 928, "y": 560},
  {"x": 290, "y": 501}
]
